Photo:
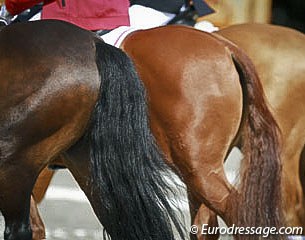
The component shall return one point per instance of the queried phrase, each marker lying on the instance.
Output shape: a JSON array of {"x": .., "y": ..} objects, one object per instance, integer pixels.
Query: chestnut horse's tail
[
  {"x": 127, "y": 167},
  {"x": 260, "y": 183}
]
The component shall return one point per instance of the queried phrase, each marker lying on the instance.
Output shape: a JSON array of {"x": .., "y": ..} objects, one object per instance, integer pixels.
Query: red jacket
[
  {"x": 15, "y": 7},
  {"x": 88, "y": 14}
]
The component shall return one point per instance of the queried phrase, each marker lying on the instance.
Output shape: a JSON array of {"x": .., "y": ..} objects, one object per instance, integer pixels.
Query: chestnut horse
[
  {"x": 197, "y": 109},
  {"x": 278, "y": 54},
  {"x": 64, "y": 91},
  {"x": 205, "y": 107}
]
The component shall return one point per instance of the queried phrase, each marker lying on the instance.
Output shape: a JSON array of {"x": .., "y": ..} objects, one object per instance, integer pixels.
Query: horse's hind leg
[
  {"x": 42, "y": 184},
  {"x": 197, "y": 138},
  {"x": 202, "y": 216},
  {"x": 293, "y": 185},
  {"x": 302, "y": 178},
  {"x": 15, "y": 198},
  {"x": 211, "y": 188},
  {"x": 38, "y": 193},
  {"x": 16, "y": 186},
  {"x": 37, "y": 225},
  {"x": 199, "y": 156},
  {"x": 39, "y": 190}
]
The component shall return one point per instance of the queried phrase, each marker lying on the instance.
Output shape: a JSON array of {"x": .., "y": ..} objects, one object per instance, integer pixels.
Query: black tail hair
[{"x": 127, "y": 167}]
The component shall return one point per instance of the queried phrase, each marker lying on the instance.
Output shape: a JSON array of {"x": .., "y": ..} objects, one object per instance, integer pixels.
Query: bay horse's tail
[
  {"x": 127, "y": 167},
  {"x": 260, "y": 183}
]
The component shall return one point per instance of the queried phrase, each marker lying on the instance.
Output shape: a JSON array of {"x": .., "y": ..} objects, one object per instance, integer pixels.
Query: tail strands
[{"x": 126, "y": 164}]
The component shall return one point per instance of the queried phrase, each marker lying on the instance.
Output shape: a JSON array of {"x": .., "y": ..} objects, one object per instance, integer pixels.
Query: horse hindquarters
[
  {"x": 184, "y": 122},
  {"x": 259, "y": 201},
  {"x": 186, "y": 102},
  {"x": 278, "y": 54},
  {"x": 43, "y": 109}
]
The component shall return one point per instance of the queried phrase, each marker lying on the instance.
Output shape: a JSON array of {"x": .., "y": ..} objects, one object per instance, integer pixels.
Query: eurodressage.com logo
[{"x": 235, "y": 230}]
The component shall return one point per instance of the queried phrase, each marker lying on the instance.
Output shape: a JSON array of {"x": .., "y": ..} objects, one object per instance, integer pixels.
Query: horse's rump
[
  {"x": 202, "y": 89},
  {"x": 63, "y": 87},
  {"x": 278, "y": 54}
]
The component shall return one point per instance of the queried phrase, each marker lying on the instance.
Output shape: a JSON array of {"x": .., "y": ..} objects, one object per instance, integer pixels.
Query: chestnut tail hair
[
  {"x": 259, "y": 202},
  {"x": 260, "y": 199}
]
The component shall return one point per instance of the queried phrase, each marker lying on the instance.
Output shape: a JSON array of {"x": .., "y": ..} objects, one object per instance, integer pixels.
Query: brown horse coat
[
  {"x": 65, "y": 92},
  {"x": 203, "y": 93},
  {"x": 278, "y": 54}
]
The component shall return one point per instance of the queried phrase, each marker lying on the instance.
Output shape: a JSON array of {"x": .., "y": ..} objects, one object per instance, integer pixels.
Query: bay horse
[
  {"x": 64, "y": 91},
  {"x": 197, "y": 110}
]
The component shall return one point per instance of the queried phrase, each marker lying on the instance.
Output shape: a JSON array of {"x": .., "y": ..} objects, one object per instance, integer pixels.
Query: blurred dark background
[{"x": 290, "y": 13}]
